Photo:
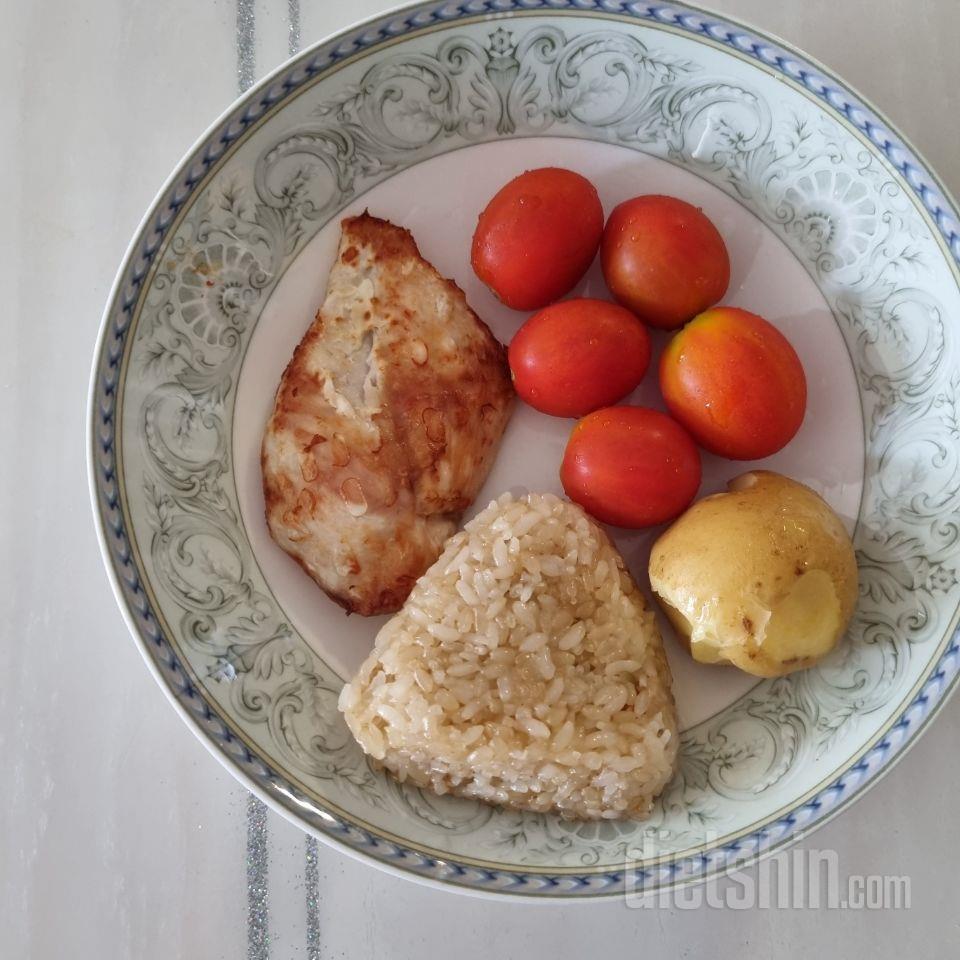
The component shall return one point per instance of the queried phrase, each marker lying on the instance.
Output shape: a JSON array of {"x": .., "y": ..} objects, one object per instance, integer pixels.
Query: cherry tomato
[
  {"x": 537, "y": 236},
  {"x": 735, "y": 382},
  {"x": 630, "y": 466},
  {"x": 663, "y": 259},
  {"x": 577, "y": 356}
]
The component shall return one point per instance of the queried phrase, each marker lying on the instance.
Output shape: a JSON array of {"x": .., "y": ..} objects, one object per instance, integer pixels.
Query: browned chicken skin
[{"x": 386, "y": 422}]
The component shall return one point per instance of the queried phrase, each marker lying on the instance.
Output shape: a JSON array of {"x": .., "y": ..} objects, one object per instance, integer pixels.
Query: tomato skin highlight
[
  {"x": 577, "y": 356},
  {"x": 735, "y": 382},
  {"x": 537, "y": 236},
  {"x": 631, "y": 467},
  {"x": 664, "y": 260}
]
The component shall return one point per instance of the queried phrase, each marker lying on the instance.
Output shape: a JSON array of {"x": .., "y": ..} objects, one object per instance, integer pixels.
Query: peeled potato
[{"x": 763, "y": 577}]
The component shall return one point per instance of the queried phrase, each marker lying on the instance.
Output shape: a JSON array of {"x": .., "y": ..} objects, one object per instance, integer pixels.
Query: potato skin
[{"x": 726, "y": 565}]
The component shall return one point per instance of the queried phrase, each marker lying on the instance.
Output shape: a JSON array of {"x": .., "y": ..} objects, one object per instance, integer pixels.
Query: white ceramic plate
[{"x": 837, "y": 233}]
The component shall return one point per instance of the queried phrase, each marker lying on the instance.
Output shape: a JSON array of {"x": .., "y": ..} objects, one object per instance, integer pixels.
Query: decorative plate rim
[{"x": 687, "y": 19}]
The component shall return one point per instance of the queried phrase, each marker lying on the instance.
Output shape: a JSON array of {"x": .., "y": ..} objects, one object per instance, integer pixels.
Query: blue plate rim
[{"x": 838, "y": 98}]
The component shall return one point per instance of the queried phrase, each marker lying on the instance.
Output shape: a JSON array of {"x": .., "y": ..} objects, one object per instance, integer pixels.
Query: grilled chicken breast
[{"x": 386, "y": 422}]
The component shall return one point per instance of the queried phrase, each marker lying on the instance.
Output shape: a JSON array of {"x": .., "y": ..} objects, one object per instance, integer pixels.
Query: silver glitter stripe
[
  {"x": 311, "y": 869},
  {"x": 293, "y": 28},
  {"x": 246, "y": 40},
  {"x": 311, "y": 880},
  {"x": 258, "y": 929}
]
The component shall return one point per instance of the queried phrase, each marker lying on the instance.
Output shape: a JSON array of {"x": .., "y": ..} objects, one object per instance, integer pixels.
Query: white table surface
[{"x": 120, "y": 836}]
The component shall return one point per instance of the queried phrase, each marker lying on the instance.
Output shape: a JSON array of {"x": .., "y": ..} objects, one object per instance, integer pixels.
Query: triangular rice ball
[{"x": 524, "y": 670}]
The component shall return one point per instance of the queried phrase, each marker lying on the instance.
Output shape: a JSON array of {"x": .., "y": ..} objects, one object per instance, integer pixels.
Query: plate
[{"x": 838, "y": 233}]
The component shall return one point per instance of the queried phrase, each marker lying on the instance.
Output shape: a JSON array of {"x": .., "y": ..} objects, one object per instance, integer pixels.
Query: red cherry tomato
[
  {"x": 663, "y": 259},
  {"x": 537, "y": 236},
  {"x": 631, "y": 466},
  {"x": 577, "y": 356},
  {"x": 735, "y": 382}
]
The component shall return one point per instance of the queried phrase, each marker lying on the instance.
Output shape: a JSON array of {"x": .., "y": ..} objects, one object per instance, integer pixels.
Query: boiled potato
[{"x": 763, "y": 577}]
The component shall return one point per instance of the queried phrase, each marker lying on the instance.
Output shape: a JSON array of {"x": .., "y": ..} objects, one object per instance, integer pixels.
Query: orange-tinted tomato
[
  {"x": 631, "y": 466},
  {"x": 537, "y": 236},
  {"x": 735, "y": 382},
  {"x": 577, "y": 356},
  {"x": 664, "y": 259}
]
